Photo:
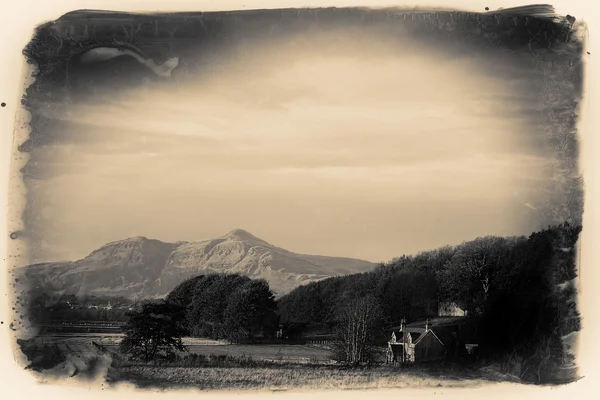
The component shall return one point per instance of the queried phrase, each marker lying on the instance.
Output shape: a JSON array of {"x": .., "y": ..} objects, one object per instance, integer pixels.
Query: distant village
[{"x": 95, "y": 306}]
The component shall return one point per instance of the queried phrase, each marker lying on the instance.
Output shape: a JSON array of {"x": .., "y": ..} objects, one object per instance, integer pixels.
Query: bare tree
[{"x": 357, "y": 327}]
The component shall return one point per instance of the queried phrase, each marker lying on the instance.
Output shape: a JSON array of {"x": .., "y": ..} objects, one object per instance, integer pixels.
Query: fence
[
  {"x": 326, "y": 342},
  {"x": 81, "y": 327}
]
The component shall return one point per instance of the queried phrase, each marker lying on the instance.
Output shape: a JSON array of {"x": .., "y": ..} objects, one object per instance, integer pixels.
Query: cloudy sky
[{"x": 328, "y": 148}]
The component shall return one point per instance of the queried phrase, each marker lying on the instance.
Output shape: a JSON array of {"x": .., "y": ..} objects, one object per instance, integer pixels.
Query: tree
[
  {"x": 154, "y": 330},
  {"x": 250, "y": 310},
  {"x": 226, "y": 306},
  {"x": 359, "y": 323},
  {"x": 468, "y": 276},
  {"x": 211, "y": 297},
  {"x": 530, "y": 307},
  {"x": 183, "y": 294}
]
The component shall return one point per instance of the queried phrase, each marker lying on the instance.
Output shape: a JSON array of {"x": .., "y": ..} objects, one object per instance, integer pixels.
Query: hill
[{"x": 144, "y": 268}]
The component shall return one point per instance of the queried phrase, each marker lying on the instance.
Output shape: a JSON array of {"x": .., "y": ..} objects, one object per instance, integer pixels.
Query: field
[
  {"x": 272, "y": 367},
  {"x": 82, "y": 343},
  {"x": 293, "y": 377},
  {"x": 71, "y": 352},
  {"x": 279, "y": 352}
]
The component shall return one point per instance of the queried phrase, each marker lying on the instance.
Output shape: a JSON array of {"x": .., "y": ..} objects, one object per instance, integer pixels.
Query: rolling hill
[{"x": 145, "y": 268}]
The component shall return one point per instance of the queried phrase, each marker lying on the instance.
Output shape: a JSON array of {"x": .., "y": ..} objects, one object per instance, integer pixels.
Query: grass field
[
  {"x": 279, "y": 352},
  {"x": 272, "y": 367},
  {"x": 84, "y": 343},
  {"x": 86, "y": 346},
  {"x": 298, "y": 377},
  {"x": 108, "y": 339}
]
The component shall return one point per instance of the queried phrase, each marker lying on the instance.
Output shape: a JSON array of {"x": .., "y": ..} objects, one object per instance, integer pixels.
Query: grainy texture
[
  {"x": 545, "y": 55},
  {"x": 294, "y": 378}
]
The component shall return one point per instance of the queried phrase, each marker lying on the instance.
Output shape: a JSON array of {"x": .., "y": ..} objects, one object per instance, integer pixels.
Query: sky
[{"x": 324, "y": 147}]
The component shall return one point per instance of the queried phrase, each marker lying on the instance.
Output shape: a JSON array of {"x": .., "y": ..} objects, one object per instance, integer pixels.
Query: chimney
[
  {"x": 402, "y": 323},
  {"x": 427, "y": 326}
]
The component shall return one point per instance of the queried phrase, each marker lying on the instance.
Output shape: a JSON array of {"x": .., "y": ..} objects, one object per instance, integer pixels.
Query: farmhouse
[
  {"x": 451, "y": 334},
  {"x": 414, "y": 344}
]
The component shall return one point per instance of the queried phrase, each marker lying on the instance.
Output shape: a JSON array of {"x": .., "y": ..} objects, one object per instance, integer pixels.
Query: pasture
[
  {"x": 288, "y": 377},
  {"x": 267, "y": 352},
  {"x": 87, "y": 344},
  {"x": 275, "y": 367}
]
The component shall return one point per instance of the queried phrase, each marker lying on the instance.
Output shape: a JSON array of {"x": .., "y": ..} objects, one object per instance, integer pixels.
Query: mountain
[{"x": 146, "y": 268}]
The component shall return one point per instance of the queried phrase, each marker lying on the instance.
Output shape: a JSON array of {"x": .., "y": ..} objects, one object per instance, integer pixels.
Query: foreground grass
[
  {"x": 278, "y": 352},
  {"x": 232, "y": 367},
  {"x": 279, "y": 368},
  {"x": 300, "y": 377}
]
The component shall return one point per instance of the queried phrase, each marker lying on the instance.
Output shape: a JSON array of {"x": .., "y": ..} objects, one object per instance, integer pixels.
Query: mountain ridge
[{"x": 139, "y": 267}]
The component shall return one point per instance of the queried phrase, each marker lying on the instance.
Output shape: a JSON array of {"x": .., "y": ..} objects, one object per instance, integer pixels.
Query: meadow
[
  {"x": 84, "y": 343},
  {"x": 288, "y": 377},
  {"x": 213, "y": 365}
]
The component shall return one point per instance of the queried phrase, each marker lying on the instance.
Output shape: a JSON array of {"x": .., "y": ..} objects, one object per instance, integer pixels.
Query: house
[
  {"x": 450, "y": 309},
  {"x": 414, "y": 344},
  {"x": 445, "y": 336}
]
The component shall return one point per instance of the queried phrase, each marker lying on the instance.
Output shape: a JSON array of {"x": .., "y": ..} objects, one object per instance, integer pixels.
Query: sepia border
[{"x": 18, "y": 22}]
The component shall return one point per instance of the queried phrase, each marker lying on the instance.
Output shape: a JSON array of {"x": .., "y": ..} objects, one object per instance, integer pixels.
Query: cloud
[{"x": 359, "y": 146}]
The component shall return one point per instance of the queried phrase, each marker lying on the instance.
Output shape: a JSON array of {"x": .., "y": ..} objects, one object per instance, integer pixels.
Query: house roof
[
  {"x": 420, "y": 336},
  {"x": 429, "y": 332},
  {"x": 417, "y": 332},
  {"x": 411, "y": 329},
  {"x": 439, "y": 321}
]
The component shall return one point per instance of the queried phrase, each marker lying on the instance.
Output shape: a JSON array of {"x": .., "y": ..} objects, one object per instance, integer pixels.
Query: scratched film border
[{"x": 556, "y": 45}]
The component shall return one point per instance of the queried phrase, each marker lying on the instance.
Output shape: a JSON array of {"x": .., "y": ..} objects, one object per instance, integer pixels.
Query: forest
[{"x": 519, "y": 290}]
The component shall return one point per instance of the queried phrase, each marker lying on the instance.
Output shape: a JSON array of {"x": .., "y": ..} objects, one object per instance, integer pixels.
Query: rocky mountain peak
[{"x": 245, "y": 237}]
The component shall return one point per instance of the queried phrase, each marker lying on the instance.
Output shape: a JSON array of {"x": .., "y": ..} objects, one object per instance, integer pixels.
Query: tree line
[
  {"x": 518, "y": 289},
  {"x": 215, "y": 306},
  {"x": 43, "y": 307},
  {"x": 226, "y": 306}
]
